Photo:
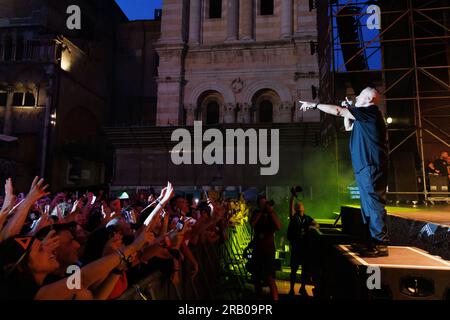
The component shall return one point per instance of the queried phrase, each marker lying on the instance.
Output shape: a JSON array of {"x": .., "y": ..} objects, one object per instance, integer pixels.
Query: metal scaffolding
[{"x": 413, "y": 45}]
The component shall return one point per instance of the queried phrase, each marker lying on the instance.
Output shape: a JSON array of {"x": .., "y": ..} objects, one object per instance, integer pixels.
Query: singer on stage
[{"x": 368, "y": 147}]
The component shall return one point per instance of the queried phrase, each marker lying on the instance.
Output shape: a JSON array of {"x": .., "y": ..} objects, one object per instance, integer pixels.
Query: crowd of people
[{"x": 110, "y": 241}]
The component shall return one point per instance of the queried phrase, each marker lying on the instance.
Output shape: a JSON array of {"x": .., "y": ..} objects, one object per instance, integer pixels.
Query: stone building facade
[
  {"x": 55, "y": 90},
  {"x": 232, "y": 61},
  {"x": 231, "y": 64}
]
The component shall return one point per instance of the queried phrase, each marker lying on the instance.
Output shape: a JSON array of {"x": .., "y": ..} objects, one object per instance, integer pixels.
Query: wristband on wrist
[
  {"x": 126, "y": 261},
  {"x": 120, "y": 254}
]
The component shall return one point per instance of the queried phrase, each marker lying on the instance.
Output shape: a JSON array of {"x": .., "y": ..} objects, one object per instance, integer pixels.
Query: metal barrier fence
[{"x": 221, "y": 274}]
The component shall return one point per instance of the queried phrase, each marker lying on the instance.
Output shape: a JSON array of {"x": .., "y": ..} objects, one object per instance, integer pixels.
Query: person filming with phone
[{"x": 265, "y": 223}]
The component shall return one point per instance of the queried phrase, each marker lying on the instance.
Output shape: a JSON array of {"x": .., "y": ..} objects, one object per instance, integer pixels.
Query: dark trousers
[{"x": 372, "y": 183}]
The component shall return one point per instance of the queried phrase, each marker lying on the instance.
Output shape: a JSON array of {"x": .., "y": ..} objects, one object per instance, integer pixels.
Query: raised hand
[
  {"x": 61, "y": 218},
  {"x": 9, "y": 191},
  {"x": 347, "y": 103},
  {"x": 163, "y": 192},
  {"x": 143, "y": 237},
  {"x": 37, "y": 190},
  {"x": 305, "y": 106},
  {"x": 9, "y": 199},
  {"x": 90, "y": 197},
  {"x": 106, "y": 212},
  {"x": 168, "y": 194},
  {"x": 50, "y": 242},
  {"x": 43, "y": 221},
  {"x": 60, "y": 196}
]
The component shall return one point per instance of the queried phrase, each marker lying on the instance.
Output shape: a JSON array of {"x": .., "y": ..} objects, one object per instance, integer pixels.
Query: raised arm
[
  {"x": 291, "y": 205},
  {"x": 15, "y": 223},
  {"x": 93, "y": 272},
  {"x": 161, "y": 202},
  {"x": 8, "y": 201}
]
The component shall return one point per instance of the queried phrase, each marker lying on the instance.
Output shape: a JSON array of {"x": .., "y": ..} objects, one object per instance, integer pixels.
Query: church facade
[
  {"x": 231, "y": 61},
  {"x": 230, "y": 64}
]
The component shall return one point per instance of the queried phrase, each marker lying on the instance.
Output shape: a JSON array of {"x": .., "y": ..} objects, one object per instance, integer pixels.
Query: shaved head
[{"x": 369, "y": 96}]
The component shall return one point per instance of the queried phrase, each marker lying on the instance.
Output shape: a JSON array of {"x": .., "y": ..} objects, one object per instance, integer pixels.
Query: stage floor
[
  {"x": 437, "y": 214},
  {"x": 401, "y": 258}
]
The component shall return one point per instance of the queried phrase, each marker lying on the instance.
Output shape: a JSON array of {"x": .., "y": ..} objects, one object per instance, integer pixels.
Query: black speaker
[{"x": 352, "y": 223}]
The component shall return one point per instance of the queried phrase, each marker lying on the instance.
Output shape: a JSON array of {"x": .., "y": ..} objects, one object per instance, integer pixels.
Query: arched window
[
  {"x": 212, "y": 113},
  {"x": 3, "y": 97},
  {"x": 215, "y": 9},
  {"x": 18, "y": 99},
  {"x": 29, "y": 99},
  {"x": 266, "y": 111},
  {"x": 266, "y": 7}
]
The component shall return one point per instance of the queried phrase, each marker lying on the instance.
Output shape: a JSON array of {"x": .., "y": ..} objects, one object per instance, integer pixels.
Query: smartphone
[
  {"x": 180, "y": 224},
  {"x": 47, "y": 208},
  {"x": 93, "y": 199}
]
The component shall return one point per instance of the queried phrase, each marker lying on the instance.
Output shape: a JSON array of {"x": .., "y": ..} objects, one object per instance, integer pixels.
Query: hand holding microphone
[{"x": 347, "y": 103}]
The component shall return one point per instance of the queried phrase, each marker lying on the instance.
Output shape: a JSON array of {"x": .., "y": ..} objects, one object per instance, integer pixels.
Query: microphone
[{"x": 347, "y": 103}]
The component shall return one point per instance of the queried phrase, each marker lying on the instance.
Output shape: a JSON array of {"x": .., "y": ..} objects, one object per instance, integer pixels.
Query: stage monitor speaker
[
  {"x": 438, "y": 183},
  {"x": 352, "y": 223},
  {"x": 408, "y": 273}
]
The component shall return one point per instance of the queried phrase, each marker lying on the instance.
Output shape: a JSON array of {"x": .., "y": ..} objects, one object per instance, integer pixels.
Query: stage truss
[{"x": 420, "y": 24}]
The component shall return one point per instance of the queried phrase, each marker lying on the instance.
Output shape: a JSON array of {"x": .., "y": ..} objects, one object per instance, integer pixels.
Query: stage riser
[
  {"x": 395, "y": 280},
  {"x": 430, "y": 237},
  {"x": 346, "y": 278}
]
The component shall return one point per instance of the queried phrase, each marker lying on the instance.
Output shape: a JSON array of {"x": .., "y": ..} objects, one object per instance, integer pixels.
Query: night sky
[{"x": 139, "y": 9}]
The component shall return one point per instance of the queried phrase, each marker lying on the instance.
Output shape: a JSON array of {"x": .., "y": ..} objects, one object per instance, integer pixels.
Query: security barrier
[{"x": 221, "y": 273}]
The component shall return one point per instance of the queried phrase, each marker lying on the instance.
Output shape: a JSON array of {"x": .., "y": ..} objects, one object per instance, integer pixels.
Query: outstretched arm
[{"x": 327, "y": 108}]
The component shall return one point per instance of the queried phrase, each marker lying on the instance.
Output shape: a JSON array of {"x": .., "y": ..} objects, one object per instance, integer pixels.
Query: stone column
[
  {"x": 233, "y": 20},
  {"x": 195, "y": 21},
  {"x": 229, "y": 115},
  {"x": 284, "y": 114},
  {"x": 7, "y": 127},
  {"x": 190, "y": 114},
  {"x": 286, "y": 18},
  {"x": 245, "y": 113},
  {"x": 246, "y": 15},
  {"x": 46, "y": 134}
]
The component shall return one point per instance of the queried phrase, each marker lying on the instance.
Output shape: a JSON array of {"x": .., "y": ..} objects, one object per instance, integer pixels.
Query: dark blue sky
[{"x": 139, "y": 9}]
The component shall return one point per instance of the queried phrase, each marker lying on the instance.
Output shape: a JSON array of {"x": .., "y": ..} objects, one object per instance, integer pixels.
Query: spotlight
[
  {"x": 389, "y": 120},
  {"x": 53, "y": 119}
]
